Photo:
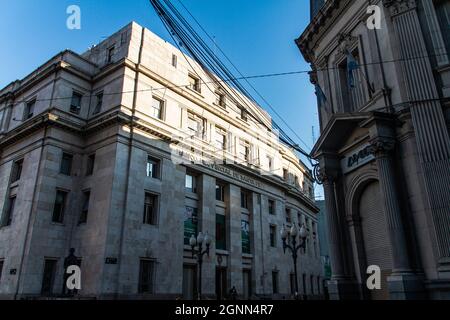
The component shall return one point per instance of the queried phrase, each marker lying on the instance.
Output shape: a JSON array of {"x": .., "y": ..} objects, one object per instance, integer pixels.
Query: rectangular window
[
  {"x": 174, "y": 61},
  {"x": 66, "y": 164},
  {"x": 1, "y": 269},
  {"x": 17, "y": 170},
  {"x": 245, "y": 232},
  {"x": 275, "y": 282},
  {"x": 90, "y": 164},
  {"x": 285, "y": 174},
  {"x": 443, "y": 13},
  {"x": 270, "y": 163},
  {"x": 150, "y": 208},
  {"x": 75, "y": 103},
  {"x": 59, "y": 207},
  {"x": 271, "y": 207},
  {"x": 153, "y": 167},
  {"x": 48, "y": 276},
  {"x": 146, "y": 274},
  {"x": 288, "y": 216},
  {"x": 191, "y": 183},
  {"x": 190, "y": 223},
  {"x": 244, "y": 150},
  {"x": 194, "y": 84},
  {"x": 244, "y": 113},
  {"x": 156, "y": 110},
  {"x": 273, "y": 235},
  {"x": 8, "y": 214},
  {"x": 245, "y": 195},
  {"x": 296, "y": 182},
  {"x": 221, "y": 232},
  {"x": 220, "y": 139},
  {"x": 110, "y": 54},
  {"x": 99, "y": 103},
  {"x": 85, "y": 208},
  {"x": 221, "y": 99},
  {"x": 196, "y": 126},
  {"x": 29, "y": 110},
  {"x": 220, "y": 192}
]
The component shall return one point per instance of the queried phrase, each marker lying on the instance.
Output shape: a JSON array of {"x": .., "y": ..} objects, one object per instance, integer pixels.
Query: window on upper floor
[
  {"x": 153, "y": 167},
  {"x": 273, "y": 235},
  {"x": 288, "y": 215},
  {"x": 221, "y": 99},
  {"x": 353, "y": 83},
  {"x": 75, "y": 103},
  {"x": 85, "y": 207},
  {"x": 59, "y": 206},
  {"x": 285, "y": 174},
  {"x": 110, "y": 56},
  {"x": 66, "y": 164},
  {"x": 220, "y": 139},
  {"x": 174, "y": 60},
  {"x": 29, "y": 109},
  {"x": 269, "y": 160},
  {"x": 245, "y": 199},
  {"x": 243, "y": 113},
  {"x": 9, "y": 212},
  {"x": 157, "y": 108},
  {"x": 16, "y": 172},
  {"x": 220, "y": 191},
  {"x": 191, "y": 183},
  {"x": 196, "y": 126},
  {"x": 150, "y": 208},
  {"x": 271, "y": 207},
  {"x": 90, "y": 164},
  {"x": 244, "y": 150},
  {"x": 98, "y": 103},
  {"x": 443, "y": 13},
  {"x": 194, "y": 83}
]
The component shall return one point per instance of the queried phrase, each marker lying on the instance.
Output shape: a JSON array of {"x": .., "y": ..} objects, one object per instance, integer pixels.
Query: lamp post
[
  {"x": 199, "y": 252},
  {"x": 289, "y": 238}
]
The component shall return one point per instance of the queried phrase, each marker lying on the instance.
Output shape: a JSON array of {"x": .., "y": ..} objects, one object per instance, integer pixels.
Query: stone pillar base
[
  {"x": 406, "y": 287},
  {"x": 343, "y": 289}
]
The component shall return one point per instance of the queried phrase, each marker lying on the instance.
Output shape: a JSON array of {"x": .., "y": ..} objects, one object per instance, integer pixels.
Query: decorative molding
[
  {"x": 381, "y": 146},
  {"x": 397, "y": 7}
]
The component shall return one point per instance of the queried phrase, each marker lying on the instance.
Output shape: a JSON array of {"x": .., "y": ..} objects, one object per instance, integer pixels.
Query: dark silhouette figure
[
  {"x": 70, "y": 260},
  {"x": 233, "y": 293}
]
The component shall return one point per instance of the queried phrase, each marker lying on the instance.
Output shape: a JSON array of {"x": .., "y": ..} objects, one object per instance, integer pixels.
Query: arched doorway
[{"x": 375, "y": 236}]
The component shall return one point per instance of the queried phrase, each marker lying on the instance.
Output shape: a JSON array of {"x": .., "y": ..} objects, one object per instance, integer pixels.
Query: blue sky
[{"x": 258, "y": 36}]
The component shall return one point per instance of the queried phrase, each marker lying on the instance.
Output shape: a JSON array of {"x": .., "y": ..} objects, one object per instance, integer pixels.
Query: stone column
[
  {"x": 341, "y": 286},
  {"x": 208, "y": 224},
  {"x": 382, "y": 148},
  {"x": 337, "y": 263},
  {"x": 233, "y": 220},
  {"x": 403, "y": 282},
  {"x": 431, "y": 132}
]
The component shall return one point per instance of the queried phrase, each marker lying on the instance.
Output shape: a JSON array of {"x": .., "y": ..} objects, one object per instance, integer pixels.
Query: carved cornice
[
  {"x": 381, "y": 146},
  {"x": 397, "y": 7}
]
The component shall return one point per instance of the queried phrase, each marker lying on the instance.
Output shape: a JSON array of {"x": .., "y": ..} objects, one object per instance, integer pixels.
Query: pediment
[{"x": 342, "y": 129}]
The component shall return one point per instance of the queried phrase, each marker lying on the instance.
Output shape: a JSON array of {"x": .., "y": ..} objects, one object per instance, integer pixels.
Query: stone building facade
[
  {"x": 384, "y": 150},
  {"x": 123, "y": 153}
]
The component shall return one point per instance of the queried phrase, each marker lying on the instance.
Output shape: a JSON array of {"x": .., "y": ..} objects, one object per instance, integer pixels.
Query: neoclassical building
[
  {"x": 126, "y": 151},
  {"x": 384, "y": 149}
]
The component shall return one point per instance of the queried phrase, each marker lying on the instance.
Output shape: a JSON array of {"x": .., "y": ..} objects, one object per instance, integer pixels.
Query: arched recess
[{"x": 368, "y": 230}]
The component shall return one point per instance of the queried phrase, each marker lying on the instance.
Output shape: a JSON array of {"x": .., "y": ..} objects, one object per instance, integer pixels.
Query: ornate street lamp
[
  {"x": 289, "y": 238},
  {"x": 199, "y": 252}
]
